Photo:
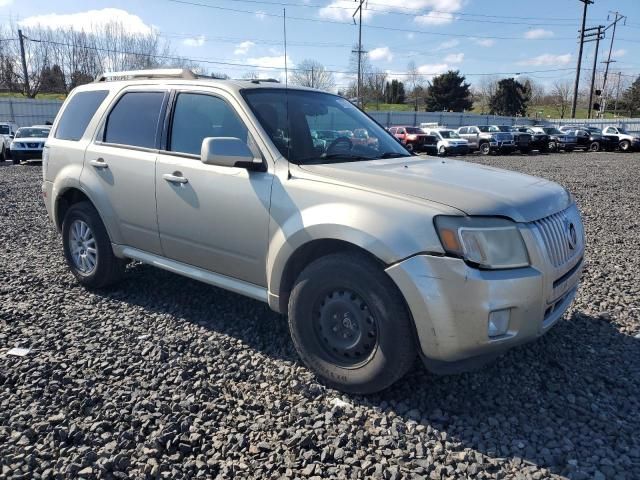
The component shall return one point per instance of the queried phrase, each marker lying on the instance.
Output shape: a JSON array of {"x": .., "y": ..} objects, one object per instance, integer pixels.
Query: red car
[{"x": 413, "y": 138}]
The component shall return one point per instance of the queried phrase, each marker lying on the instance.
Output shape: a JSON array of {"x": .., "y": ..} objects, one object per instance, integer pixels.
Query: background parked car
[
  {"x": 558, "y": 140},
  {"x": 7, "y": 132},
  {"x": 487, "y": 139},
  {"x": 521, "y": 140},
  {"x": 413, "y": 138},
  {"x": 29, "y": 143},
  {"x": 591, "y": 141},
  {"x": 538, "y": 139},
  {"x": 626, "y": 141},
  {"x": 449, "y": 142}
]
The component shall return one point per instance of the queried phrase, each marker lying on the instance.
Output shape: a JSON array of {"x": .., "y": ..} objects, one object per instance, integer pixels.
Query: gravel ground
[{"x": 163, "y": 377}]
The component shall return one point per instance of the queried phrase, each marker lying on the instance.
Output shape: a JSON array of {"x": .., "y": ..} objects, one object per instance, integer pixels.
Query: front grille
[{"x": 555, "y": 232}]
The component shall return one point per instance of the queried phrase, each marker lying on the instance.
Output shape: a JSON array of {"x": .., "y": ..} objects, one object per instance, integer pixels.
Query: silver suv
[{"x": 375, "y": 255}]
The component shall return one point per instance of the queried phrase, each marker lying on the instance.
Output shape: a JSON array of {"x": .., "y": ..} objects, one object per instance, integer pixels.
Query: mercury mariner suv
[{"x": 376, "y": 255}]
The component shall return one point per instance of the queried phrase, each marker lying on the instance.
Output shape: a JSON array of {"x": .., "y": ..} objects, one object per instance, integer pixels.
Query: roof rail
[{"x": 148, "y": 74}]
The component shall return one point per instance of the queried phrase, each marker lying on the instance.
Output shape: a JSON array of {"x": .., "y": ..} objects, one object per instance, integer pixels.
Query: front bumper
[
  {"x": 457, "y": 149},
  {"x": 450, "y": 302},
  {"x": 26, "y": 154}
]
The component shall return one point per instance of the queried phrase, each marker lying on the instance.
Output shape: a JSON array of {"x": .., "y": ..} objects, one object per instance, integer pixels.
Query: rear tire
[
  {"x": 594, "y": 147},
  {"x": 350, "y": 325},
  {"x": 89, "y": 255}
]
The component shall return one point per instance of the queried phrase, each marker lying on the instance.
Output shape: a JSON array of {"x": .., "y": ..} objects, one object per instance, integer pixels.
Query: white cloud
[
  {"x": 537, "y": 33},
  {"x": 194, "y": 41},
  {"x": 269, "y": 63},
  {"x": 243, "y": 48},
  {"x": 429, "y": 70},
  {"x": 621, "y": 52},
  {"x": 5, "y": 3},
  {"x": 89, "y": 20},
  {"x": 454, "y": 58},
  {"x": 485, "y": 42},
  {"x": 435, "y": 18},
  {"x": 410, "y": 35},
  {"x": 342, "y": 10},
  {"x": 381, "y": 53},
  {"x": 547, "y": 59},
  {"x": 260, "y": 15},
  {"x": 449, "y": 44}
]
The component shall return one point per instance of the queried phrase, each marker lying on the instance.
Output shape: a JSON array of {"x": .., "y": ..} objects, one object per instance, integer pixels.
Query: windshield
[
  {"x": 623, "y": 130},
  {"x": 4, "y": 130},
  {"x": 354, "y": 135},
  {"x": 488, "y": 129},
  {"x": 32, "y": 133},
  {"x": 594, "y": 130},
  {"x": 506, "y": 128},
  {"x": 552, "y": 131},
  {"x": 448, "y": 134},
  {"x": 414, "y": 130}
]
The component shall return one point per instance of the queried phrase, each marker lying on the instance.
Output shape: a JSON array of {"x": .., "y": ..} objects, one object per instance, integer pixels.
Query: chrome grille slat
[{"x": 552, "y": 229}]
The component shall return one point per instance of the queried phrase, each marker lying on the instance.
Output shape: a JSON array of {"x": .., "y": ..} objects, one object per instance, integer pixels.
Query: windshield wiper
[
  {"x": 345, "y": 156},
  {"x": 392, "y": 155}
]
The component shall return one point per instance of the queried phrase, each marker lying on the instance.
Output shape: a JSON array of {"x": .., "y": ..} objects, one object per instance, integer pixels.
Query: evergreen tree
[
  {"x": 510, "y": 98},
  {"x": 448, "y": 92}
]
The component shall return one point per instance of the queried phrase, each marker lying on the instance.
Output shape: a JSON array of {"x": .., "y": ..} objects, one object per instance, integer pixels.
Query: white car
[
  {"x": 449, "y": 142},
  {"x": 626, "y": 141},
  {"x": 7, "y": 131},
  {"x": 28, "y": 143}
]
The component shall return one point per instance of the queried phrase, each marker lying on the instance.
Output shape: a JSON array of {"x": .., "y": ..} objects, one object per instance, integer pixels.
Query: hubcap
[
  {"x": 82, "y": 244},
  {"x": 345, "y": 328}
]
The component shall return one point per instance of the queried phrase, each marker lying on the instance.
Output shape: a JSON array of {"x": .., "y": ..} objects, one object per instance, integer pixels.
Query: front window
[
  {"x": 414, "y": 131},
  {"x": 552, "y": 131},
  {"x": 289, "y": 117},
  {"x": 488, "y": 129},
  {"x": 506, "y": 128},
  {"x": 623, "y": 131},
  {"x": 448, "y": 134},
  {"x": 32, "y": 133},
  {"x": 5, "y": 130}
]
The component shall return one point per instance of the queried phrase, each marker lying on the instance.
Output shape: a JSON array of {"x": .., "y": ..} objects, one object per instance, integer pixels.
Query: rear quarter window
[
  {"x": 78, "y": 113},
  {"x": 134, "y": 119}
]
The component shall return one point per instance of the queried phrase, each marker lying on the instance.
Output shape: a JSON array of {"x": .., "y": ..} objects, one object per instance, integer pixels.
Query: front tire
[
  {"x": 485, "y": 148},
  {"x": 625, "y": 145},
  {"x": 350, "y": 325},
  {"x": 442, "y": 151},
  {"x": 594, "y": 147},
  {"x": 87, "y": 247}
]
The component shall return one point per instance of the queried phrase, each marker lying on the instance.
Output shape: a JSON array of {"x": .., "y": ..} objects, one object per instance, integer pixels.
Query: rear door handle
[
  {"x": 99, "y": 163},
  {"x": 175, "y": 177}
]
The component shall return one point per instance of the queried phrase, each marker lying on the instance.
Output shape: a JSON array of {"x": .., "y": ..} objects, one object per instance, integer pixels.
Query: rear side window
[
  {"x": 134, "y": 119},
  {"x": 78, "y": 113}
]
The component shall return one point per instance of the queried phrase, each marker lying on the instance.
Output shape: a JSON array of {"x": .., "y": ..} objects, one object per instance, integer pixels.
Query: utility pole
[
  {"x": 25, "y": 72},
  {"x": 359, "y": 51},
  {"x": 577, "y": 81},
  {"x": 618, "y": 17},
  {"x": 597, "y": 36},
  {"x": 615, "y": 105}
]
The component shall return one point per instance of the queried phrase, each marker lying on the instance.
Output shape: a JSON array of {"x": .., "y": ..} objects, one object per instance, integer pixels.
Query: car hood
[
  {"x": 31, "y": 139},
  {"x": 474, "y": 189}
]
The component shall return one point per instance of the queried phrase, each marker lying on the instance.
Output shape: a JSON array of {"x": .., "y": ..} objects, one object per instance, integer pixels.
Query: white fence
[
  {"x": 24, "y": 112},
  {"x": 27, "y": 111}
]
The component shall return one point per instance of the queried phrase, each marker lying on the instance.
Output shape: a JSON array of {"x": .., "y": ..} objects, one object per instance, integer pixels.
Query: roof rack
[{"x": 148, "y": 74}]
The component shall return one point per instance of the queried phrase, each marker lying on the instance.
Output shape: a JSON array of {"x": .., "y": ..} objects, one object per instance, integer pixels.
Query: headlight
[{"x": 485, "y": 242}]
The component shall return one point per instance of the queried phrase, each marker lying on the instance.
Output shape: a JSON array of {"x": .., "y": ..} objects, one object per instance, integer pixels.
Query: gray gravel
[{"x": 163, "y": 377}]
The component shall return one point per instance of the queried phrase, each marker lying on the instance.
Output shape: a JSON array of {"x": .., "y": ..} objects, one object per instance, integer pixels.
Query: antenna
[{"x": 286, "y": 93}]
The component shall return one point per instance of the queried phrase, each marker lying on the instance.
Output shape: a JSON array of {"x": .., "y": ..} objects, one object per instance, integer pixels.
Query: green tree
[
  {"x": 52, "y": 80},
  {"x": 631, "y": 98},
  {"x": 394, "y": 92},
  {"x": 510, "y": 98},
  {"x": 448, "y": 92}
]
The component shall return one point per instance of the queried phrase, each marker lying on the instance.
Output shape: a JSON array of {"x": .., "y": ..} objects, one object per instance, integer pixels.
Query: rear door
[{"x": 120, "y": 165}]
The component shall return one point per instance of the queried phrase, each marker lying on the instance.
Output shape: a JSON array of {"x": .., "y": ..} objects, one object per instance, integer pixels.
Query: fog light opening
[{"x": 498, "y": 322}]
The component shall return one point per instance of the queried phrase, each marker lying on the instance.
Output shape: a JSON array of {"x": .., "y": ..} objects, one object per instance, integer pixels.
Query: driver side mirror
[
  {"x": 12, "y": 136},
  {"x": 229, "y": 152}
]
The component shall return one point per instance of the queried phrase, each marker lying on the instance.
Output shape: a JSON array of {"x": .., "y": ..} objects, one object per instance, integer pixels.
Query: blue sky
[{"x": 470, "y": 35}]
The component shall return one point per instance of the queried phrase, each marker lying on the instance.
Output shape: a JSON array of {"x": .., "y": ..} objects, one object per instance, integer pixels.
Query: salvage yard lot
[{"x": 164, "y": 377}]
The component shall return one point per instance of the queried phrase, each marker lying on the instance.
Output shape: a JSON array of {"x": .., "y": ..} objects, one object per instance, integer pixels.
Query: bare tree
[
  {"x": 414, "y": 83},
  {"x": 485, "y": 90},
  {"x": 310, "y": 73},
  {"x": 562, "y": 95},
  {"x": 374, "y": 82}
]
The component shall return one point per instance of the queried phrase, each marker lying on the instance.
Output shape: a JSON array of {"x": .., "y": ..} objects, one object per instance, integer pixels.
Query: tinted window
[
  {"x": 414, "y": 130},
  {"x": 197, "y": 116},
  {"x": 134, "y": 119},
  {"x": 463, "y": 130},
  {"x": 78, "y": 113},
  {"x": 32, "y": 132},
  {"x": 4, "y": 130}
]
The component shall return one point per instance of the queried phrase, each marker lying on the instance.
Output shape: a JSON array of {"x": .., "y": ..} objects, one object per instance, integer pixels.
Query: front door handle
[
  {"x": 99, "y": 163},
  {"x": 175, "y": 177}
]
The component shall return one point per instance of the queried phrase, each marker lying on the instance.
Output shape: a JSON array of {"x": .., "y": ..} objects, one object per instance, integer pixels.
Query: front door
[
  {"x": 119, "y": 167},
  {"x": 211, "y": 217}
]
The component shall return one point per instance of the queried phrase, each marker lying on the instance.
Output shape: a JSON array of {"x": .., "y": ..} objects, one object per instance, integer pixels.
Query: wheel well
[
  {"x": 308, "y": 253},
  {"x": 64, "y": 202}
]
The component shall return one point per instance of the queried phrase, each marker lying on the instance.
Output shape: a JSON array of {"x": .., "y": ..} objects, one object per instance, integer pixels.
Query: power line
[{"x": 375, "y": 27}]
